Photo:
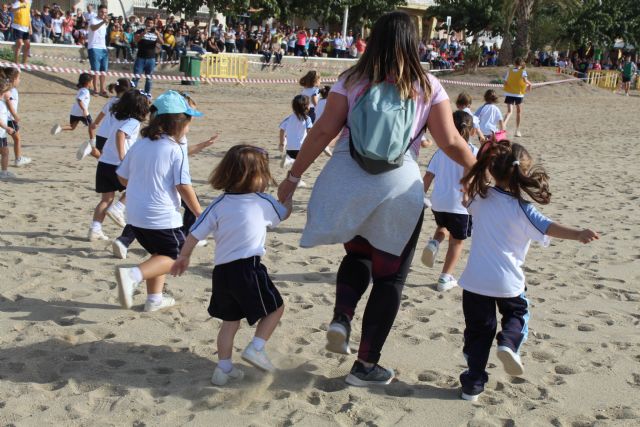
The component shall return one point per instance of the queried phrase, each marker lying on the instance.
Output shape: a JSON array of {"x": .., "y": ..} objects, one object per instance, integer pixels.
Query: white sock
[
  {"x": 154, "y": 298},
  {"x": 92, "y": 142},
  {"x": 225, "y": 365},
  {"x": 136, "y": 274},
  {"x": 96, "y": 226},
  {"x": 446, "y": 276},
  {"x": 118, "y": 205},
  {"x": 258, "y": 343}
]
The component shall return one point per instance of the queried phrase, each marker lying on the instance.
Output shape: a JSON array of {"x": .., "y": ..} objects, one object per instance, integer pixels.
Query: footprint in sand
[
  {"x": 586, "y": 327},
  {"x": 566, "y": 370}
]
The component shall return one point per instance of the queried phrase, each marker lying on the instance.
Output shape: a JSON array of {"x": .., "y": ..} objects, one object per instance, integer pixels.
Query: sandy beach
[{"x": 69, "y": 355}]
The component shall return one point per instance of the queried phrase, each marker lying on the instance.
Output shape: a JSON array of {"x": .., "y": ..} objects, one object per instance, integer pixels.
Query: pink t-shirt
[
  {"x": 302, "y": 38},
  {"x": 438, "y": 95}
]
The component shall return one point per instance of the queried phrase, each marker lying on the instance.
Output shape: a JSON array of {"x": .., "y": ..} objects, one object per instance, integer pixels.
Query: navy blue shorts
[
  {"x": 458, "y": 225},
  {"x": 511, "y": 100},
  {"x": 80, "y": 119},
  {"x": 167, "y": 242},
  {"x": 100, "y": 141},
  {"x": 20, "y": 35},
  {"x": 13, "y": 125},
  {"x": 242, "y": 289},
  {"x": 107, "y": 179},
  {"x": 3, "y": 143}
]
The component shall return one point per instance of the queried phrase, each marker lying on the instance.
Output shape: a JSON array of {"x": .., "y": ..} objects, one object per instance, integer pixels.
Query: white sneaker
[
  {"x": 518, "y": 134},
  {"x": 511, "y": 361},
  {"x": 56, "y": 129},
  {"x": 83, "y": 150},
  {"x": 119, "y": 249},
  {"x": 429, "y": 253},
  {"x": 126, "y": 286},
  {"x": 117, "y": 216},
  {"x": 155, "y": 306},
  {"x": 202, "y": 243},
  {"x": 446, "y": 283},
  {"x": 7, "y": 175},
  {"x": 22, "y": 160},
  {"x": 257, "y": 358},
  {"x": 221, "y": 378},
  {"x": 95, "y": 236}
]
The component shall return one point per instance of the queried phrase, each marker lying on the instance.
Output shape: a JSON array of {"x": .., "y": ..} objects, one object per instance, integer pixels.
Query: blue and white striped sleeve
[
  {"x": 181, "y": 174},
  {"x": 537, "y": 224},
  {"x": 275, "y": 212},
  {"x": 207, "y": 222}
]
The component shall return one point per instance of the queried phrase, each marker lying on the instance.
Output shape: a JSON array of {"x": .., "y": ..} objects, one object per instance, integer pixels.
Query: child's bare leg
[
  {"x": 226, "y": 335},
  {"x": 440, "y": 234},
  {"x": 101, "y": 209},
  {"x": 268, "y": 324},
  {"x": 518, "y": 115},
  {"x": 92, "y": 134},
  {"x": 153, "y": 271},
  {"x": 17, "y": 145},
  {"x": 4, "y": 152},
  {"x": 453, "y": 255},
  {"x": 508, "y": 116},
  {"x": 70, "y": 127}
]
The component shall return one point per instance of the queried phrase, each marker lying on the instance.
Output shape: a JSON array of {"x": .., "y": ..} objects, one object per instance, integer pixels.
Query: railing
[
  {"x": 604, "y": 79},
  {"x": 224, "y": 66}
]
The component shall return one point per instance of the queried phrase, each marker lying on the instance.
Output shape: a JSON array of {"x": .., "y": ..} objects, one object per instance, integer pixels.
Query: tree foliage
[
  {"x": 601, "y": 22},
  {"x": 474, "y": 16}
]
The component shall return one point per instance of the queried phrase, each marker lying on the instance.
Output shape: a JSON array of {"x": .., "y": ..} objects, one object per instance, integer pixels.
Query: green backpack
[{"x": 380, "y": 125}]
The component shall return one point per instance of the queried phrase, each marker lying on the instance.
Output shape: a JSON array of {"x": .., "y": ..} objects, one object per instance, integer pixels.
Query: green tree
[{"x": 473, "y": 16}]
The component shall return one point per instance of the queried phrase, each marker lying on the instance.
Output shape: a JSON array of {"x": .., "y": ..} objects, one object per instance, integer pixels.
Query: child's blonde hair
[
  {"x": 243, "y": 169},
  {"x": 490, "y": 96},
  {"x": 463, "y": 100}
]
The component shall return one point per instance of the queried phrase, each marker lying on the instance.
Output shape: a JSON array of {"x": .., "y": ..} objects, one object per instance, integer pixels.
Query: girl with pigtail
[{"x": 504, "y": 223}]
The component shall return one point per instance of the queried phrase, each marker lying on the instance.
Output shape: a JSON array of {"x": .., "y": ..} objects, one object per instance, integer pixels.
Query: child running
[
  {"x": 463, "y": 103},
  {"x": 451, "y": 216},
  {"x": 5, "y": 129},
  {"x": 293, "y": 130},
  {"x": 156, "y": 174},
  {"x": 80, "y": 114},
  {"x": 504, "y": 225},
  {"x": 238, "y": 220},
  {"x": 310, "y": 83},
  {"x": 128, "y": 113},
  {"x": 11, "y": 98},
  {"x": 490, "y": 116},
  {"x": 102, "y": 124}
]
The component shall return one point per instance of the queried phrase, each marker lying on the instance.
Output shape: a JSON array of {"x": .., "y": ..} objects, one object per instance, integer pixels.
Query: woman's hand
[{"x": 286, "y": 190}]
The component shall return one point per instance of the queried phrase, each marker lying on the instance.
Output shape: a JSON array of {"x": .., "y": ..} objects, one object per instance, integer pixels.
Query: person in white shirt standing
[
  {"x": 490, "y": 115},
  {"x": 97, "y": 45},
  {"x": 242, "y": 289},
  {"x": 293, "y": 130},
  {"x": 5, "y": 129},
  {"x": 21, "y": 28},
  {"x": 451, "y": 216},
  {"x": 504, "y": 223},
  {"x": 156, "y": 174}
]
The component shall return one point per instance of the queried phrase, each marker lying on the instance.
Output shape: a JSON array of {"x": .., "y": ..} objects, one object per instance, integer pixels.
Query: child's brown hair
[
  {"x": 511, "y": 165},
  {"x": 490, "y": 96},
  {"x": 464, "y": 100},
  {"x": 169, "y": 124},
  {"x": 464, "y": 123},
  {"x": 311, "y": 79},
  {"x": 11, "y": 73},
  {"x": 120, "y": 86},
  {"x": 243, "y": 169},
  {"x": 300, "y": 106}
]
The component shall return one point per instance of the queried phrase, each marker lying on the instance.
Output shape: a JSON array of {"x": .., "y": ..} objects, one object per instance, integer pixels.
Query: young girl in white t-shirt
[
  {"x": 156, "y": 174},
  {"x": 310, "y": 83},
  {"x": 80, "y": 114},
  {"x": 11, "y": 99},
  {"x": 450, "y": 215},
  {"x": 238, "y": 220},
  {"x": 293, "y": 130},
  {"x": 5, "y": 130},
  {"x": 128, "y": 113},
  {"x": 504, "y": 223},
  {"x": 490, "y": 116}
]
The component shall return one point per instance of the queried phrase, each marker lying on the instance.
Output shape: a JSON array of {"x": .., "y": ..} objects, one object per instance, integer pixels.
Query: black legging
[{"x": 389, "y": 272}]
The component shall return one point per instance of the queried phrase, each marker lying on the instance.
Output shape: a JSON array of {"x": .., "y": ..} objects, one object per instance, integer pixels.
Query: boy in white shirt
[
  {"x": 463, "y": 103},
  {"x": 491, "y": 120}
]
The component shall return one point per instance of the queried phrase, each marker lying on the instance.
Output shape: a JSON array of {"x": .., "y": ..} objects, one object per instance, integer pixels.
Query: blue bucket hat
[{"x": 171, "y": 102}]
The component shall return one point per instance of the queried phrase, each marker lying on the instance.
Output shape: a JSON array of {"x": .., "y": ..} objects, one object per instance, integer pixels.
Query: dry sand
[{"x": 71, "y": 356}]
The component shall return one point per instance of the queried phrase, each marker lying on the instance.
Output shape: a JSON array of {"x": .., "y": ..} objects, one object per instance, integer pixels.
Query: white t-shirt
[
  {"x": 131, "y": 129},
  {"x": 295, "y": 131},
  {"x": 310, "y": 92},
  {"x": 322, "y": 102},
  {"x": 97, "y": 38},
  {"x": 476, "y": 120},
  {"x": 446, "y": 195},
  {"x": 83, "y": 95},
  {"x": 14, "y": 99},
  {"x": 154, "y": 169},
  {"x": 89, "y": 16},
  {"x": 506, "y": 76},
  {"x": 107, "y": 121},
  {"x": 503, "y": 228},
  {"x": 56, "y": 24},
  {"x": 4, "y": 117},
  {"x": 489, "y": 115},
  {"x": 239, "y": 224}
]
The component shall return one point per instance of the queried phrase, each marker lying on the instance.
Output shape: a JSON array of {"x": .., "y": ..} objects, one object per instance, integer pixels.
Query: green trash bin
[
  {"x": 192, "y": 69},
  {"x": 184, "y": 63}
]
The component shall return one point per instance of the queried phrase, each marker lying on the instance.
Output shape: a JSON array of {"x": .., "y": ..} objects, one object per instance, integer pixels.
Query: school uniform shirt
[
  {"x": 503, "y": 228},
  {"x": 506, "y": 77},
  {"x": 4, "y": 117},
  {"x": 131, "y": 129},
  {"x": 153, "y": 170},
  {"x": 446, "y": 195},
  {"x": 97, "y": 38},
  {"x": 107, "y": 121},
  {"x": 14, "y": 98},
  {"x": 295, "y": 131},
  {"x": 22, "y": 17},
  {"x": 310, "y": 92},
  {"x": 476, "y": 120},
  {"x": 238, "y": 223},
  {"x": 322, "y": 102},
  {"x": 85, "y": 97},
  {"x": 489, "y": 116}
]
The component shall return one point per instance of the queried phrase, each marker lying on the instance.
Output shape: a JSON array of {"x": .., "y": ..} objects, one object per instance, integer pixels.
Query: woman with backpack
[{"x": 377, "y": 212}]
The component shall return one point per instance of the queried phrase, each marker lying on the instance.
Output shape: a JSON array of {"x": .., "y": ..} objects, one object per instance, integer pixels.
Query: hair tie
[{"x": 516, "y": 163}]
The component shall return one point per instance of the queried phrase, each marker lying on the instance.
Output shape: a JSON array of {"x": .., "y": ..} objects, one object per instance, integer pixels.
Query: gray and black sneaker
[
  {"x": 360, "y": 376},
  {"x": 338, "y": 334}
]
